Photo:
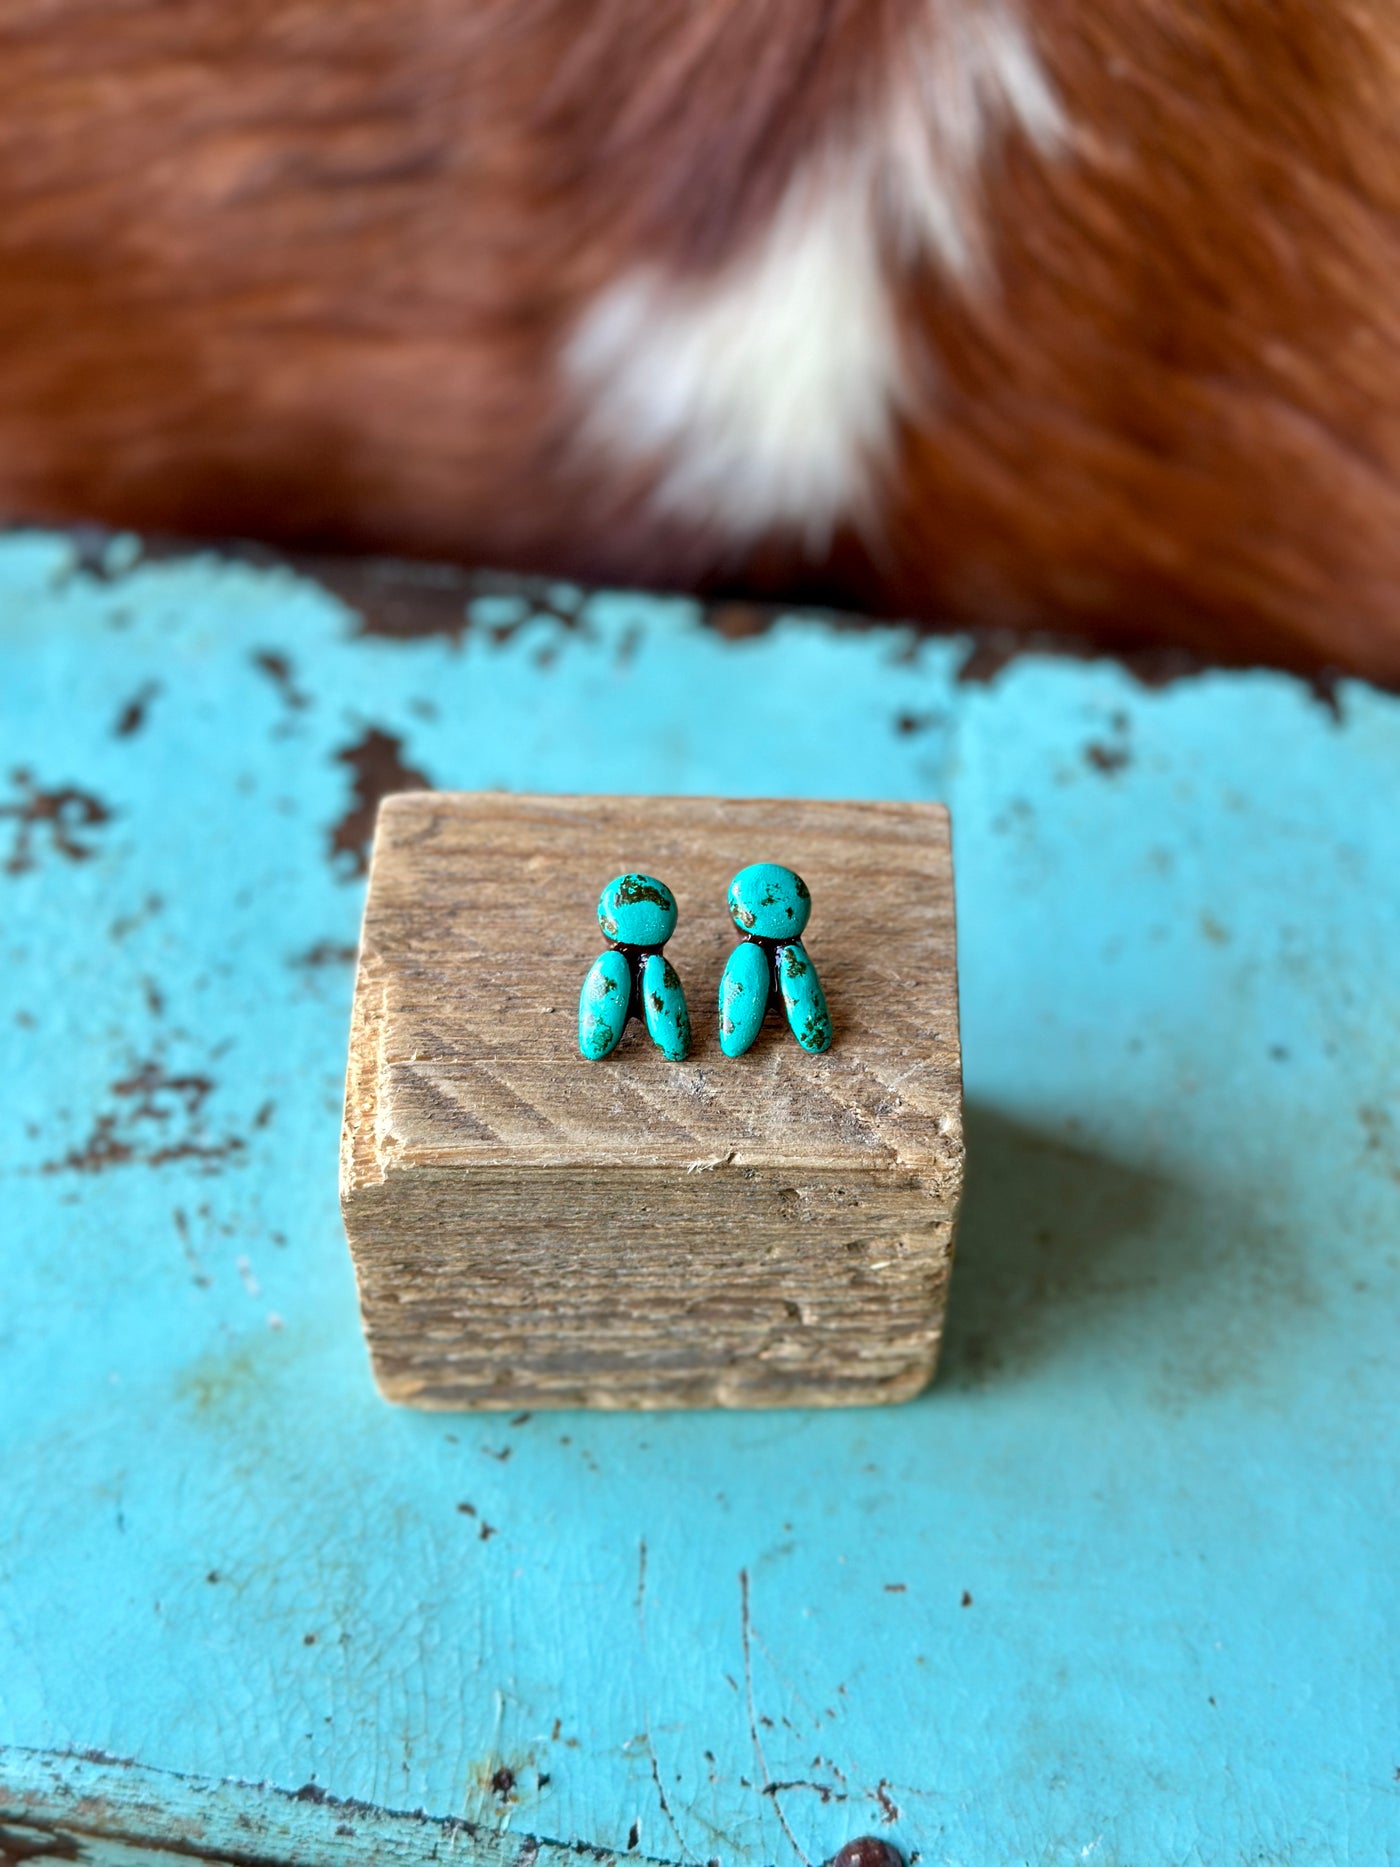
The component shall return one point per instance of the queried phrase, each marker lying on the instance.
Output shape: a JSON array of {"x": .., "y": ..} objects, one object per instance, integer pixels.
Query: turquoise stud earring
[
  {"x": 633, "y": 978},
  {"x": 770, "y": 906}
]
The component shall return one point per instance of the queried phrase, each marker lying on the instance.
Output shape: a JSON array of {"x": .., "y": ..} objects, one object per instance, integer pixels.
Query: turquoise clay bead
[
  {"x": 743, "y": 998},
  {"x": 770, "y": 901},
  {"x": 803, "y": 998},
  {"x": 602, "y": 1005},
  {"x": 637, "y": 910},
  {"x": 664, "y": 1007}
]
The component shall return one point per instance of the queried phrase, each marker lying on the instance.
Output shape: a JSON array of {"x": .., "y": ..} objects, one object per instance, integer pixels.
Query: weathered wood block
[{"x": 533, "y": 1229}]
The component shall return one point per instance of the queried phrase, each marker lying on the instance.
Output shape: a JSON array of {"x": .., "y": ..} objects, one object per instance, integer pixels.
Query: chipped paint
[
  {"x": 377, "y": 768},
  {"x": 155, "y": 1118},
  {"x": 57, "y": 818}
]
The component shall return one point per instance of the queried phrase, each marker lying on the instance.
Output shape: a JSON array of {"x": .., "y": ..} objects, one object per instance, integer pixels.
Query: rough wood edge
[{"x": 367, "y": 1165}]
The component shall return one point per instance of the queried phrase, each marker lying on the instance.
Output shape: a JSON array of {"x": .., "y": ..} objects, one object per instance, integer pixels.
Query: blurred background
[{"x": 1074, "y": 320}]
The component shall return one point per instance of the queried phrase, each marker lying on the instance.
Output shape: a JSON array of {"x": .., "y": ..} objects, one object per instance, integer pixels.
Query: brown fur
[
  {"x": 1183, "y": 418},
  {"x": 301, "y": 271}
]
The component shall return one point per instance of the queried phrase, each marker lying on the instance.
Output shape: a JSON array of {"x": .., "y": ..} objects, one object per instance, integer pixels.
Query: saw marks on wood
[{"x": 532, "y": 1228}]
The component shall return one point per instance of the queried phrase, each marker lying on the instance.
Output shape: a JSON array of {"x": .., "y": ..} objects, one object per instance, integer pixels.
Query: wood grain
[{"x": 531, "y": 1228}]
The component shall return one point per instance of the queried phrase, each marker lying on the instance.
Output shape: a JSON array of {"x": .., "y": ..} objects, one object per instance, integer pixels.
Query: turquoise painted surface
[
  {"x": 1120, "y": 1588},
  {"x": 106, "y": 1813}
]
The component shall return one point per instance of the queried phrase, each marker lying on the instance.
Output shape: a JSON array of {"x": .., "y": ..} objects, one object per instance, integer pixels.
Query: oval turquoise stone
[
  {"x": 637, "y": 910},
  {"x": 770, "y": 901},
  {"x": 743, "y": 998},
  {"x": 602, "y": 1005},
  {"x": 664, "y": 1006},
  {"x": 803, "y": 998}
]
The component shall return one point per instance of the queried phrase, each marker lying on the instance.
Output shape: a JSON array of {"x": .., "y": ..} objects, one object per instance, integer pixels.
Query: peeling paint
[
  {"x": 63, "y": 814},
  {"x": 377, "y": 768},
  {"x": 158, "y": 1118}
]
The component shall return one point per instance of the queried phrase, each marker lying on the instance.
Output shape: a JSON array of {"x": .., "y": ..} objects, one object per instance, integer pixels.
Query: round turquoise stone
[
  {"x": 770, "y": 901},
  {"x": 637, "y": 910}
]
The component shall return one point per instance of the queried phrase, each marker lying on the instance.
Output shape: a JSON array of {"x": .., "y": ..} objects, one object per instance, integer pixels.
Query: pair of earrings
[{"x": 769, "y": 906}]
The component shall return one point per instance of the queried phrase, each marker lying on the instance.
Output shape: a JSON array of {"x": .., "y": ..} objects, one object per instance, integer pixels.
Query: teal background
[{"x": 1121, "y": 1588}]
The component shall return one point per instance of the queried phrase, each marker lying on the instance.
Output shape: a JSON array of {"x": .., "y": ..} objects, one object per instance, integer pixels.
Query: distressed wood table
[{"x": 1121, "y": 1587}]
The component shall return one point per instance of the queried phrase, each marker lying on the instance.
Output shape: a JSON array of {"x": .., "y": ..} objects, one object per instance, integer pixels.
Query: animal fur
[{"x": 1002, "y": 311}]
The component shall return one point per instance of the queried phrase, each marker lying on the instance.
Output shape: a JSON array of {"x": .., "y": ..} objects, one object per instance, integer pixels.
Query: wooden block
[{"x": 533, "y": 1229}]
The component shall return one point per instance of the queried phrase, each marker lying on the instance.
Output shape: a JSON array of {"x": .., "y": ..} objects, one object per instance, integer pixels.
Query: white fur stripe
[
  {"x": 960, "y": 85},
  {"x": 762, "y": 398}
]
